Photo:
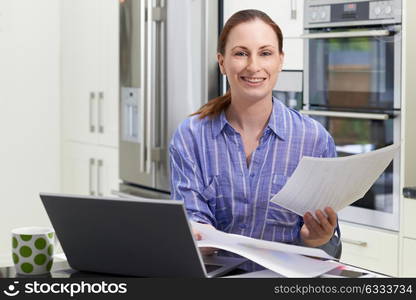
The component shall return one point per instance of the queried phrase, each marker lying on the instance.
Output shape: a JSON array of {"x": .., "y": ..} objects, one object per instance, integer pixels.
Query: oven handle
[
  {"x": 347, "y": 34},
  {"x": 342, "y": 114}
]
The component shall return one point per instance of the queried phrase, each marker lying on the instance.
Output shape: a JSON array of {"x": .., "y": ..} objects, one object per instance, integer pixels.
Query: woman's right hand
[{"x": 204, "y": 250}]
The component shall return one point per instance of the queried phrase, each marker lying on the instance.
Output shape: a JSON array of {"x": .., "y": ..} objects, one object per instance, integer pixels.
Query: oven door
[
  {"x": 353, "y": 68},
  {"x": 355, "y": 134}
]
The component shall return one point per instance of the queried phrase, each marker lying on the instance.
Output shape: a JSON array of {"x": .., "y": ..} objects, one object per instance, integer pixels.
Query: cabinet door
[
  {"x": 79, "y": 69},
  {"x": 107, "y": 178},
  {"x": 108, "y": 73},
  {"x": 369, "y": 248},
  {"x": 288, "y": 14},
  {"x": 89, "y": 170},
  {"x": 79, "y": 174}
]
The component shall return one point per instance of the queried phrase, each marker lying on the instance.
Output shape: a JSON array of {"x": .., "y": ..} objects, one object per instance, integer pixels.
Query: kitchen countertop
[
  {"x": 409, "y": 192},
  {"x": 61, "y": 269}
]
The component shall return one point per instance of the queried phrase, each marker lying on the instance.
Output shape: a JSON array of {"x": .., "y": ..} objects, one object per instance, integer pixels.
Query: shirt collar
[
  {"x": 218, "y": 124},
  {"x": 276, "y": 123}
]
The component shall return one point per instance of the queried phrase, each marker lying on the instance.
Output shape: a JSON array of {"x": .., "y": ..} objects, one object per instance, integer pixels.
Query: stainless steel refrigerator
[{"x": 168, "y": 70}]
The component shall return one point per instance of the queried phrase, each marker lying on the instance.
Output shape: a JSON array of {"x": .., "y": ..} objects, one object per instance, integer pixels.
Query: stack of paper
[
  {"x": 287, "y": 260},
  {"x": 335, "y": 182}
]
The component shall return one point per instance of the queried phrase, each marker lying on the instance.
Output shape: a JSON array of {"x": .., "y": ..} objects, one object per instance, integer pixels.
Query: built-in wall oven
[{"x": 352, "y": 86}]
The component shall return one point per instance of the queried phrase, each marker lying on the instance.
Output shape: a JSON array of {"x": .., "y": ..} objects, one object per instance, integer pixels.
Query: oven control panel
[
  {"x": 321, "y": 13},
  {"x": 354, "y": 12},
  {"x": 381, "y": 10}
]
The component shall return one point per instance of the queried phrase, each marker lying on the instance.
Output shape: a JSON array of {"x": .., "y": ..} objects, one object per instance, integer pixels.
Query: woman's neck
[{"x": 247, "y": 116}]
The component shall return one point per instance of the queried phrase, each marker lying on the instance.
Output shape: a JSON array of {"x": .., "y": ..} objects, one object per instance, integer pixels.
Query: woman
[{"x": 230, "y": 157}]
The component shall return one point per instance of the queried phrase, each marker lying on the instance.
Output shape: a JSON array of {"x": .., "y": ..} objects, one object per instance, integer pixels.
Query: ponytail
[{"x": 214, "y": 106}]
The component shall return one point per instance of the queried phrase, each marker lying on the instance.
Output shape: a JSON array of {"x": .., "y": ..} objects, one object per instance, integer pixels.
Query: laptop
[{"x": 130, "y": 237}]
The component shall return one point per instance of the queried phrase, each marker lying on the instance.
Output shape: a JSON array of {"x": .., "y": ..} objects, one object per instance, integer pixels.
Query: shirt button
[{"x": 252, "y": 175}]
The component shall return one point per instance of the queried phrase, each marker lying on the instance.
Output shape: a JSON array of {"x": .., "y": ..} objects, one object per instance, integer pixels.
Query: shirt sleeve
[
  {"x": 186, "y": 185},
  {"x": 330, "y": 150}
]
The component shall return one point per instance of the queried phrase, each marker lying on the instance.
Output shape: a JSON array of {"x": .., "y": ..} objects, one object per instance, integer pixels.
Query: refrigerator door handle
[
  {"x": 163, "y": 83},
  {"x": 159, "y": 86},
  {"x": 150, "y": 43},
  {"x": 142, "y": 83}
]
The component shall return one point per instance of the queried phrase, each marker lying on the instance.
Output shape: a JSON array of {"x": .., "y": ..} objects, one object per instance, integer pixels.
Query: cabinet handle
[
  {"x": 91, "y": 166},
  {"x": 91, "y": 117},
  {"x": 99, "y": 167},
  {"x": 100, "y": 112},
  {"x": 293, "y": 9},
  {"x": 354, "y": 242}
]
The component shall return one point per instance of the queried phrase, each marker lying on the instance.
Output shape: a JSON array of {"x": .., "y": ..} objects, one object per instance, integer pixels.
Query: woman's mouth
[{"x": 253, "y": 80}]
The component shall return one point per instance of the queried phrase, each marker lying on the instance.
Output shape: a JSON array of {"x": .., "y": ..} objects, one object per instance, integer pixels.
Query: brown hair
[{"x": 218, "y": 104}]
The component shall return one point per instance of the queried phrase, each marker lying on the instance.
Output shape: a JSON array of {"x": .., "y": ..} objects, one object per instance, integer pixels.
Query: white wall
[{"x": 29, "y": 113}]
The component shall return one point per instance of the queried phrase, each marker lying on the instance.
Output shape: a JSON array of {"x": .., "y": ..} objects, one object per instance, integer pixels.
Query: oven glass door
[
  {"x": 355, "y": 136},
  {"x": 351, "y": 72}
]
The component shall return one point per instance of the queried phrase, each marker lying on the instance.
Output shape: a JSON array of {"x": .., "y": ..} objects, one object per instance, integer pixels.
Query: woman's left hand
[{"x": 314, "y": 233}]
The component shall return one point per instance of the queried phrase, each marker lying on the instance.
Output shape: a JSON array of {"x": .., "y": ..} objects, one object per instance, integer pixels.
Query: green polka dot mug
[{"x": 32, "y": 250}]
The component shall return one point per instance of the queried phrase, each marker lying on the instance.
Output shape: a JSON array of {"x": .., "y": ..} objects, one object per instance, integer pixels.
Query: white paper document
[
  {"x": 285, "y": 259},
  {"x": 335, "y": 182}
]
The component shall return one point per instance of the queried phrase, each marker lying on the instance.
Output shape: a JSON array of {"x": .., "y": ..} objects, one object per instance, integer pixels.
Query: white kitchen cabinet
[
  {"x": 89, "y": 170},
  {"x": 90, "y": 71},
  {"x": 288, "y": 14},
  {"x": 90, "y": 85},
  {"x": 370, "y": 248}
]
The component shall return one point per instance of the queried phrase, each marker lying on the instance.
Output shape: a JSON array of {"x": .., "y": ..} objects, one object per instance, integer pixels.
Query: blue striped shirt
[{"x": 210, "y": 174}]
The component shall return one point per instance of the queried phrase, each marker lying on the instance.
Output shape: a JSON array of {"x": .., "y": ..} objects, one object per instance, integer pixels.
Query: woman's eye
[
  {"x": 240, "y": 53},
  {"x": 266, "y": 53}
]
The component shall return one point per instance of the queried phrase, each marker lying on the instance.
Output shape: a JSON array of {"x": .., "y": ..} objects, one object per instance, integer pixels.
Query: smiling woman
[
  {"x": 238, "y": 150},
  {"x": 238, "y": 34}
]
